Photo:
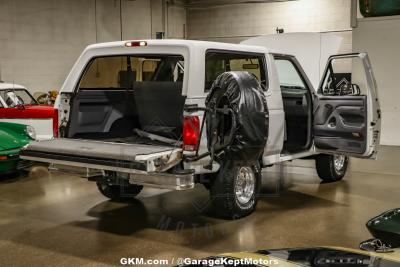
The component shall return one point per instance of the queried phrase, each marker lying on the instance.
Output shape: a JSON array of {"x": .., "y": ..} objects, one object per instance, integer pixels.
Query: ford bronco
[{"x": 173, "y": 113}]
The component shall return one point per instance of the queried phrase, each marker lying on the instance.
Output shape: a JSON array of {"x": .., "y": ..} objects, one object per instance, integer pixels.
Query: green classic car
[
  {"x": 13, "y": 137},
  {"x": 305, "y": 257},
  {"x": 383, "y": 250}
]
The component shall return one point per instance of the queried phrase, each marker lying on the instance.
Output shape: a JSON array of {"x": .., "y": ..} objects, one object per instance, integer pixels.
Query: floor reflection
[{"x": 64, "y": 216}]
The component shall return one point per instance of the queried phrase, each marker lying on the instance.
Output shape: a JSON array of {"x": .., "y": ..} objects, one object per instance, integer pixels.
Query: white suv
[{"x": 167, "y": 113}]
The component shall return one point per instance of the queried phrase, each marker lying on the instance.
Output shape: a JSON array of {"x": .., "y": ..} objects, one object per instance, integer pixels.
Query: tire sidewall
[
  {"x": 223, "y": 191},
  {"x": 250, "y": 205},
  {"x": 325, "y": 166}
]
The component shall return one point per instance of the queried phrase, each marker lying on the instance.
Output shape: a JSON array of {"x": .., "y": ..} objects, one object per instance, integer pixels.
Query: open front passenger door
[{"x": 346, "y": 108}]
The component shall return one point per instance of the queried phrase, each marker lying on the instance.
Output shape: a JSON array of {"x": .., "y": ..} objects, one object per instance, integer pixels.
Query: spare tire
[{"x": 241, "y": 133}]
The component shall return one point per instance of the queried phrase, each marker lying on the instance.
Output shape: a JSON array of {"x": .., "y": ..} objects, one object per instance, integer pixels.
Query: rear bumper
[
  {"x": 164, "y": 180},
  {"x": 171, "y": 181},
  {"x": 136, "y": 170}
]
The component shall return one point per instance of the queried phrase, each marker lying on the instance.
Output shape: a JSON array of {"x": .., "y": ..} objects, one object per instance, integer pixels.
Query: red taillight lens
[
  {"x": 55, "y": 123},
  {"x": 191, "y": 133},
  {"x": 138, "y": 43}
]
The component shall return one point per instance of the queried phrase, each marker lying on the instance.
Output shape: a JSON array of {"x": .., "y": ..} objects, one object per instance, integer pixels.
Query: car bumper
[
  {"x": 181, "y": 181},
  {"x": 13, "y": 163}
]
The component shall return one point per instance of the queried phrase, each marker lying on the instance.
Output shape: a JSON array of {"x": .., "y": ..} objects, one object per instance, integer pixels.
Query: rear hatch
[{"x": 121, "y": 157}]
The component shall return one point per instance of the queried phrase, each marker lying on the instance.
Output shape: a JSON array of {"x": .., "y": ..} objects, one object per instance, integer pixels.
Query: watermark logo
[{"x": 197, "y": 229}]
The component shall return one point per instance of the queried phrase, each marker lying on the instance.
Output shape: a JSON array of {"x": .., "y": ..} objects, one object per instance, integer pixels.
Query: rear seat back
[{"x": 160, "y": 106}]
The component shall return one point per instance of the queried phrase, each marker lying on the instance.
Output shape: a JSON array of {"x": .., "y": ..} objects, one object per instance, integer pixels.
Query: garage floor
[{"x": 59, "y": 219}]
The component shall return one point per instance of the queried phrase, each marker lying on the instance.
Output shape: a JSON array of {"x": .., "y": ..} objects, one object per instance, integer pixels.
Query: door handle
[{"x": 332, "y": 122}]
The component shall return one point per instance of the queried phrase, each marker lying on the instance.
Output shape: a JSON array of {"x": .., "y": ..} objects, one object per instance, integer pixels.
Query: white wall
[
  {"x": 236, "y": 23},
  {"x": 380, "y": 37},
  {"x": 176, "y": 18},
  {"x": 312, "y": 50},
  {"x": 40, "y": 40},
  {"x": 244, "y": 20}
]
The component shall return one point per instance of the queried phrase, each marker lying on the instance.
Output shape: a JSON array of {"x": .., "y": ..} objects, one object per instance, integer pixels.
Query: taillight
[
  {"x": 136, "y": 43},
  {"x": 191, "y": 133},
  {"x": 55, "y": 123}
]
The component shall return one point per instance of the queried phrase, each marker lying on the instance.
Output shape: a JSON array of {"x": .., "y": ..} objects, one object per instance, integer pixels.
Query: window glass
[
  {"x": 345, "y": 76},
  {"x": 15, "y": 97},
  {"x": 149, "y": 67},
  {"x": 122, "y": 72},
  {"x": 289, "y": 77},
  {"x": 220, "y": 62}
]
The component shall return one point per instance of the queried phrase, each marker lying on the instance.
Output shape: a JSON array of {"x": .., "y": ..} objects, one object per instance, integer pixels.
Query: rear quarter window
[{"x": 218, "y": 62}]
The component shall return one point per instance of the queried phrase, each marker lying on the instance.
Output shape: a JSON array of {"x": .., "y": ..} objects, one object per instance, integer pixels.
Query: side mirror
[{"x": 348, "y": 89}]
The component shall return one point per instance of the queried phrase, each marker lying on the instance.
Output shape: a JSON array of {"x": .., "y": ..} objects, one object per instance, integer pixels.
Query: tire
[
  {"x": 118, "y": 192},
  {"x": 237, "y": 121},
  {"x": 327, "y": 170},
  {"x": 237, "y": 130},
  {"x": 225, "y": 194}
]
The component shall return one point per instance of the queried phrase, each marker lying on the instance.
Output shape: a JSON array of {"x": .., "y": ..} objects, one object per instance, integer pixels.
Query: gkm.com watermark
[{"x": 217, "y": 261}]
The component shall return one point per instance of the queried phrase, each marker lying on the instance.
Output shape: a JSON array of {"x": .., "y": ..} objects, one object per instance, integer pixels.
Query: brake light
[
  {"x": 55, "y": 123},
  {"x": 138, "y": 43},
  {"x": 191, "y": 133}
]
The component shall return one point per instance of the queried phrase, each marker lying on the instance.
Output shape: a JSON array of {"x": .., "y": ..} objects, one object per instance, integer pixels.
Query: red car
[{"x": 18, "y": 105}]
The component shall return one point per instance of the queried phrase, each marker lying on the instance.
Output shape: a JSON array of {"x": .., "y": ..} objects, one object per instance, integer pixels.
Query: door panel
[
  {"x": 95, "y": 111},
  {"x": 346, "y": 108},
  {"x": 341, "y": 124}
]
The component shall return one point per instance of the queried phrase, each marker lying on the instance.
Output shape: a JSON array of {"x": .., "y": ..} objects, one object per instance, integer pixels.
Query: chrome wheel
[
  {"x": 244, "y": 186},
  {"x": 339, "y": 161}
]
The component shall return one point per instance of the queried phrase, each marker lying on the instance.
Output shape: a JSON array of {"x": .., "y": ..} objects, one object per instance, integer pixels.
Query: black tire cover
[{"x": 242, "y": 92}]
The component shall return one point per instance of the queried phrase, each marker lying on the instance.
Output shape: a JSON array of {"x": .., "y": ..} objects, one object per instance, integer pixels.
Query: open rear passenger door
[{"x": 346, "y": 108}]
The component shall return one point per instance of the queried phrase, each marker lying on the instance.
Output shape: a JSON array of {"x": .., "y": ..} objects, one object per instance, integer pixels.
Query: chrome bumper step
[{"x": 164, "y": 180}]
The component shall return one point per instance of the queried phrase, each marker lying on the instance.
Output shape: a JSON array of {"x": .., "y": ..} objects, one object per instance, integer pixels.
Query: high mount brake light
[
  {"x": 134, "y": 44},
  {"x": 191, "y": 133}
]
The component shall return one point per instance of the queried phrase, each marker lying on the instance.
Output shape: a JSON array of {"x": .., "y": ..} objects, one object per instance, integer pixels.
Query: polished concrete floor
[{"x": 61, "y": 220}]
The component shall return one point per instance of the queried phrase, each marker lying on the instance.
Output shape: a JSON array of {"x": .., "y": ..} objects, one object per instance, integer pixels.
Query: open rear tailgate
[{"x": 122, "y": 157}]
